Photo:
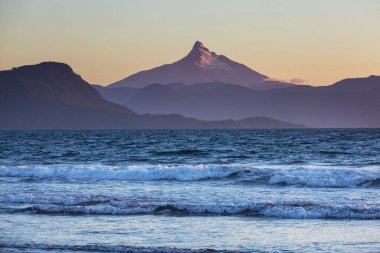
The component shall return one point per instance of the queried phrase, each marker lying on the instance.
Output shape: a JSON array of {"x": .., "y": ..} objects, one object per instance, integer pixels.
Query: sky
[{"x": 318, "y": 42}]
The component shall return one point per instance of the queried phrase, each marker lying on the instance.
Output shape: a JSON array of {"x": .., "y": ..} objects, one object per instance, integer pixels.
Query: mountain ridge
[
  {"x": 200, "y": 65},
  {"x": 50, "y": 95},
  {"x": 349, "y": 103}
]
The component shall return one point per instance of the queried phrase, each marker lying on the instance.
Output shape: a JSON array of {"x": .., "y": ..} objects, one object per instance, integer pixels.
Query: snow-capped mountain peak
[
  {"x": 205, "y": 59},
  {"x": 200, "y": 65}
]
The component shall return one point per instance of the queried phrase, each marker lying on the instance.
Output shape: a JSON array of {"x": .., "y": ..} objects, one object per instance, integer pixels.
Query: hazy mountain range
[
  {"x": 202, "y": 90},
  {"x": 50, "y": 95},
  {"x": 208, "y": 86},
  {"x": 348, "y": 103}
]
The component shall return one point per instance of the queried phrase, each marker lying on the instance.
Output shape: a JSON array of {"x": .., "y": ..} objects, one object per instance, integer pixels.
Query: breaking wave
[
  {"x": 132, "y": 173},
  {"x": 308, "y": 177},
  {"x": 118, "y": 206}
]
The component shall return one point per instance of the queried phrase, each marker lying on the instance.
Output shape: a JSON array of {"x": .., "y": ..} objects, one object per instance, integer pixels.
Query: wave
[
  {"x": 303, "y": 176},
  {"x": 118, "y": 206},
  {"x": 53, "y": 199},
  {"x": 325, "y": 177},
  {"x": 104, "y": 248},
  {"x": 132, "y": 173}
]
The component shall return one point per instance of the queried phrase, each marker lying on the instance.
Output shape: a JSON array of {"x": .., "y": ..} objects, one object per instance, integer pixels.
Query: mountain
[
  {"x": 51, "y": 82},
  {"x": 50, "y": 95},
  {"x": 201, "y": 66},
  {"x": 348, "y": 103},
  {"x": 116, "y": 95},
  {"x": 357, "y": 84}
]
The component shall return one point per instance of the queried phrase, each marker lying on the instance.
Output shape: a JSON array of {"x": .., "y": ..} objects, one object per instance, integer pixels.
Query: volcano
[{"x": 201, "y": 65}]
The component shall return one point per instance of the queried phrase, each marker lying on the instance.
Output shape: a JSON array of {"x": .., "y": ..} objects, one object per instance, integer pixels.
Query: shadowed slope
[{"x": 50, "y": 95}]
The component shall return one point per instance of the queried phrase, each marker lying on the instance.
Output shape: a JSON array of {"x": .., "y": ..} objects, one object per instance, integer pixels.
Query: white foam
[
  {"x": 294, "y": 210},
  {"x": 133, "y": 173},
  {"x": 326, "y": 177},
  {"x": 303, "y": 176},
  {"x": 102, "y": 205}
]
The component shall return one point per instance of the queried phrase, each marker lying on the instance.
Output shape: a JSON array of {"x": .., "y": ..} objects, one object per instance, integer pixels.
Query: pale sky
[{"x": 320, "y": 41}]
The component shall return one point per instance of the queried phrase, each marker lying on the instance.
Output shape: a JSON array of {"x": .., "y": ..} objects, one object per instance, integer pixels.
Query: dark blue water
[{"x": 186, "y": 190}]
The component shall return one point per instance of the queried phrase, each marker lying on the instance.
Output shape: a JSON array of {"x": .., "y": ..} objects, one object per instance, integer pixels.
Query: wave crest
[
  {"x": 132, "y": 173},
  {"x": 117, "y": 206},
  {"x": 307, "y": 177}
]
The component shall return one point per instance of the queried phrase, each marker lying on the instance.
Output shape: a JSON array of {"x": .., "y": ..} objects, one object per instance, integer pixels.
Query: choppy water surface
[{"x": 190, "y": 190}]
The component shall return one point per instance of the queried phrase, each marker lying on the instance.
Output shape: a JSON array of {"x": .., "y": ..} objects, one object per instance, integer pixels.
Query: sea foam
[
  {"x": 289, "y": 209},
  {"x": 301, "y": 176},
  {"x": 132, "y": 172}
]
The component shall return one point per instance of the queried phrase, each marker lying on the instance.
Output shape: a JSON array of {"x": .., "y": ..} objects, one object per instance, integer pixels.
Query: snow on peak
[{"x": 208, "y": 60}]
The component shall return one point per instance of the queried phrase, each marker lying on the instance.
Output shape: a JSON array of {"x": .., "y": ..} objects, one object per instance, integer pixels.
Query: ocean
[{"x": 310, "y": 190}]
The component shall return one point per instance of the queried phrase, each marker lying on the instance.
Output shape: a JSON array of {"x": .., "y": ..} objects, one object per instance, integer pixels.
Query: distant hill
[
  {"x": 348, "y": 103},
  {"x": 201, "y": 66},
  {"x": 51, "y": 82},
  {"x": 50, "y": 95},
  {"x": 116, "y": 95}
]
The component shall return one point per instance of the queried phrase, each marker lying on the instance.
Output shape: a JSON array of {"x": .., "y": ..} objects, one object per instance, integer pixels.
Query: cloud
[{"x": 297, "y": 80}]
